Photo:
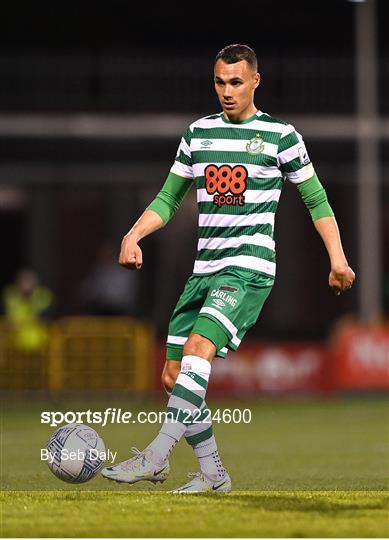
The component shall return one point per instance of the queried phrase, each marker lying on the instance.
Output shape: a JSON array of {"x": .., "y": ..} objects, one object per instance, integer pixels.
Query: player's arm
[
  {"x": 156, "y": 216},
  {"x": 312, "y": 192}
]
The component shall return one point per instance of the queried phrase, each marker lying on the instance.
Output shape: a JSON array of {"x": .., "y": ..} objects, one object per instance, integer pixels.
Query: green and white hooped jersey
[{"x": 239, "y": 171}]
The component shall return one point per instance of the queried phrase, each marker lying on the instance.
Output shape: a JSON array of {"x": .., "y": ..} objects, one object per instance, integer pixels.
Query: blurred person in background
[
  {"x": 26, "y": 306},
  {"x": 108, "y": 289},
  {"x": 238, "y": 160}
]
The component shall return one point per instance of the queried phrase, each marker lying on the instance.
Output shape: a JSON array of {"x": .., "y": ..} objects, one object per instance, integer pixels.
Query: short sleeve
[
  {"x": 182, "y": 165},
  {"x": 293, "y": 157}
]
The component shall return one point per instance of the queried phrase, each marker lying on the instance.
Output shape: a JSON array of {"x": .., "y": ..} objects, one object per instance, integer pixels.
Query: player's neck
[{"x": 244, "y": 115}]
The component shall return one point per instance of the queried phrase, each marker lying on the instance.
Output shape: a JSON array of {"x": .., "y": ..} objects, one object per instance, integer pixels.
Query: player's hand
[
  {"x": 341, "y": 279},
  {"x": 130, "y": 253}
]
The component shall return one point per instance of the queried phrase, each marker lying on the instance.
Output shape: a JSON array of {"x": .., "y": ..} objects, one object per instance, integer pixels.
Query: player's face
[{"x": 235, "y": 85}]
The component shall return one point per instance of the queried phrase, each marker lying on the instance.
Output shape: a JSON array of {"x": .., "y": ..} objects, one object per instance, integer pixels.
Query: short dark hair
[{"x": 235, "y": 53}]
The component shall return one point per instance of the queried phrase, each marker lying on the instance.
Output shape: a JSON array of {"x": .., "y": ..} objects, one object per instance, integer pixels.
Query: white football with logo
[{"x": 75, "y": 453}]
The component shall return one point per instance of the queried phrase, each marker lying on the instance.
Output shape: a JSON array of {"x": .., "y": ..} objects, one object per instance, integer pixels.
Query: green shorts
[{"x": 221, "y": 307}]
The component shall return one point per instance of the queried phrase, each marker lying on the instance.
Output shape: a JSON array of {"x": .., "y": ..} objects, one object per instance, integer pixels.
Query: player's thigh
[
  {"x": 184, "y": 315},
  {"x": 234, "y": 302}
]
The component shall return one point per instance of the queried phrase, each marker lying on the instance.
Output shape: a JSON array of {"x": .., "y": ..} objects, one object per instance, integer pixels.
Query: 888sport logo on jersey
[{"x": 227, "y": 184}]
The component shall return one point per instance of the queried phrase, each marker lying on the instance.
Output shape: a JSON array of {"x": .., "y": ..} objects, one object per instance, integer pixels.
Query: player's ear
[{"x": 257, "y": 80}]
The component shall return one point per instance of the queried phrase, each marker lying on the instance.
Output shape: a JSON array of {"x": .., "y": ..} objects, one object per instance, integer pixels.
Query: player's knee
[{"x": 197, "y": 345}]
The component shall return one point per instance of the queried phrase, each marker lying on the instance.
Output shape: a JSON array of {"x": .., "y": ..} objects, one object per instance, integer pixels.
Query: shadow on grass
[
  {"x": 302, "y": 502},
  {"x": 327, "y": 502}
]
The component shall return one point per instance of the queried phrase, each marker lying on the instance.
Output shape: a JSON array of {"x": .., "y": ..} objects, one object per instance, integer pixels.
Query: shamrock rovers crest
[{"x": 255, "y": 145}]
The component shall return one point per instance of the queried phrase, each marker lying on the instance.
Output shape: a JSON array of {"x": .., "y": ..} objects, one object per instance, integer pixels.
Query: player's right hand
[
  {"x": 341, "y": 279},
  {"x": 130, "y": 253}
]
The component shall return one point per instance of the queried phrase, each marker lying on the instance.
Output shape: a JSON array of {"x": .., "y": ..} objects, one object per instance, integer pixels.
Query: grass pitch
[
  {"x": 247, "y": 513},
  {"x": 301, "y": 468}
]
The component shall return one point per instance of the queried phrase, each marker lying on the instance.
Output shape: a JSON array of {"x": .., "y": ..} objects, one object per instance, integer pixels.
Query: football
[{"x": 75, "y": 453}]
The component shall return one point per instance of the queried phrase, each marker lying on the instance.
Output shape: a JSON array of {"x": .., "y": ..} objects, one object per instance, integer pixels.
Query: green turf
[
  {"x": 302, "y": 444},
  {"x": 255, "y": 514},
  {"x": 306, "y": 467}
]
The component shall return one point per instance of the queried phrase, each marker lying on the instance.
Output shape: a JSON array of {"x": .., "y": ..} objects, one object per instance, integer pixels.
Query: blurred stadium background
[{"x": 93, "y": 101}]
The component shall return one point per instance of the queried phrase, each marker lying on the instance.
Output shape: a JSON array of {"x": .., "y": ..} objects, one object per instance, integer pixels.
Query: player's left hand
[{"x": 341, "y": 279}]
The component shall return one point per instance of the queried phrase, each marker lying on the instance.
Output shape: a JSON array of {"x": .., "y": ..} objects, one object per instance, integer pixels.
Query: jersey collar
[{"x": 246, "y": 121}]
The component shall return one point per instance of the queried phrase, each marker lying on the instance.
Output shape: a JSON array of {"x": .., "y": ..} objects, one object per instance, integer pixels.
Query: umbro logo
[
  {"x": 206, "y": 144},
  {"x": 218, "y": 303}
]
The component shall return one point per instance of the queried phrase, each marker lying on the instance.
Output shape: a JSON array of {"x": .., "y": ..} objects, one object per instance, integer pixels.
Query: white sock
[
  {"x": 160, "y": 447},
  {"x": 209, "y": 459},
  {"x": 187, "y": 397}
]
